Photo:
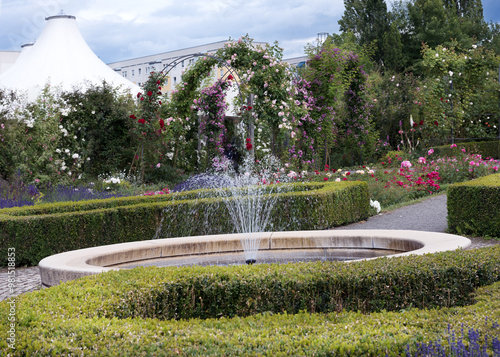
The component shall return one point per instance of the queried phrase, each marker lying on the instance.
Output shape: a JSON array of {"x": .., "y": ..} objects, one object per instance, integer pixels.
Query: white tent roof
[{"x": 62, "y": 58}]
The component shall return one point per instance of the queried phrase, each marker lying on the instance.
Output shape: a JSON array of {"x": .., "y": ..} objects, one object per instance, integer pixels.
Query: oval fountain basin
[{"x": 227, "y": 249}]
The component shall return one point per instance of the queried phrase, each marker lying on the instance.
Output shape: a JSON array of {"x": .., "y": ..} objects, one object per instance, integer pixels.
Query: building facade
[{"x": 137, "y": 69}]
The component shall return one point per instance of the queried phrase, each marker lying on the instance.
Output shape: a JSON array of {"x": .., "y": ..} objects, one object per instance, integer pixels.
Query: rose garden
[{"x": 72, "y": 160}]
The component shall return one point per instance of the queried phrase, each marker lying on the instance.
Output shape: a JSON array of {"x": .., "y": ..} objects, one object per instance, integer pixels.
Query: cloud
[{"x": 123, "y": 29}]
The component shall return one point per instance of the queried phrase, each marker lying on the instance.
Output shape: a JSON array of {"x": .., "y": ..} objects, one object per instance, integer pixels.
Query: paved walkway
[
  {"x": 27, "y": 279},
  {"x": 428, "y": 215}
]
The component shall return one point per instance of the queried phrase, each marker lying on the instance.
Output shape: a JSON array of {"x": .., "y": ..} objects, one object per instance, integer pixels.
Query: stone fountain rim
[{"x": 89, "y": 261}]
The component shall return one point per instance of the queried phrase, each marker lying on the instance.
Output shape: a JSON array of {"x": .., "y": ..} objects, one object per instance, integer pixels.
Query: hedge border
[
  {"x": 79, "y": 316},
  {"x": 487, "y": 149},
  {"x": 121, "y": 220},
  {"x": 474, "y": 207}
]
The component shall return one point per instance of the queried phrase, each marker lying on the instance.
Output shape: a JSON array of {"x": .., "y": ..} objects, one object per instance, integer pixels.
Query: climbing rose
[
  {"x": 150, "y": 93},
  {"x": 141, "y": 121},
  {"x": 162, "y": 123}
]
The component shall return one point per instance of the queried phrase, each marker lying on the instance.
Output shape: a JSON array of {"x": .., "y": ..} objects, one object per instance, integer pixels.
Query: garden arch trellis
[
  {"x": 263, "y": 97},
  {"x": 230, "y": 70}
]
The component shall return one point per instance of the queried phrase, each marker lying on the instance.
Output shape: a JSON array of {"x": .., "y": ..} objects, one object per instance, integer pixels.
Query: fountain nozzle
[{"x": 250, "y": 261}]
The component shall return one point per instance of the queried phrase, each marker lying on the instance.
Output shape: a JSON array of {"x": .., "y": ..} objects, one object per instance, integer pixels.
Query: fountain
[{"x": 249, "y": 198}]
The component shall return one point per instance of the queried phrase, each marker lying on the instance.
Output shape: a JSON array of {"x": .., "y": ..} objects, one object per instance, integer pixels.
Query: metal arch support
[{"x": 171, "y": 65}]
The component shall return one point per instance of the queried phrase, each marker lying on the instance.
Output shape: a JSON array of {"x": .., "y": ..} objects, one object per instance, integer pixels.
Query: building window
[
  {"x": 139, "y": 71},
  {"x": 125, "y": 74},
  {"x": 133, "y": 72},
  {"x": 175, "y": 80},
  {"x": 182, "y": 63}
]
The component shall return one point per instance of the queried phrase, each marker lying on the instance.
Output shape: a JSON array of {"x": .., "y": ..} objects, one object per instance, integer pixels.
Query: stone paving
[{"x": 27, "y": 279}]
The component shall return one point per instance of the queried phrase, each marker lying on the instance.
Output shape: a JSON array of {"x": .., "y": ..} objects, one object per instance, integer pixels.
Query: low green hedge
[
  {"x": 487, "y": 149},
  {"x": 38, "y": 232},
  {"x": 92, "y": 316},
  {"x": 474, "y": 207}
]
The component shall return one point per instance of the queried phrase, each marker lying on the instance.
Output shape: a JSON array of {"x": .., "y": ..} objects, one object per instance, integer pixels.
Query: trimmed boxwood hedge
[
  {"x": 40, "y": 231},
  {"x": 474, "y": 207},
  {"x": 486, "y": 149},
  {"x": 88, "y": 316}
]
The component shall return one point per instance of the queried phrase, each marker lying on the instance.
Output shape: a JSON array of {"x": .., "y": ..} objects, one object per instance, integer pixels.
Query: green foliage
[
  {"x": 98, "y": 117},
  {"x": 337, "y": 129},
  {"x": 46, "y": 229},
  {"x": 368, "y": 21},
  {"x": 460, "y": 94},
  {"x": 474, "y": 207},
  {"x": 77, "y": 317},
  {"x": 395, "y": 99},
  {"x": 63, "y": 135}
]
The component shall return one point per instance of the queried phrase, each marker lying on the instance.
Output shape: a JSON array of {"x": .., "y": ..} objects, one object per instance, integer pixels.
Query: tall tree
[
  {"x": 469, "y": 14},
  {"x": 368, "y": 21}
]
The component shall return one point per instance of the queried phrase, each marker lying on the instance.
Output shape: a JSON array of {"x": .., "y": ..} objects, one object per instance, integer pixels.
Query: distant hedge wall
[{"x": 486, "y": 149}]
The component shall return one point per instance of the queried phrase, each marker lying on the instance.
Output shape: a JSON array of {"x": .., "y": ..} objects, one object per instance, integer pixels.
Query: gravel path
[{"x": 428, "y": 215}]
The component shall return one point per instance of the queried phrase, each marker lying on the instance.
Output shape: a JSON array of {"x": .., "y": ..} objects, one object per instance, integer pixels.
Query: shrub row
[
  {"x": 39, "y": 232},
  {"x": 486, "y": 149},
  {"x": 81, "y": 317},
  {"x": 474, "y": 207},
  {"x": 382, "y": 284}
]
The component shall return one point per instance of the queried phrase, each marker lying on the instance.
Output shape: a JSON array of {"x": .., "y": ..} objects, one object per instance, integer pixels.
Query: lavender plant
[{"x": 468, "y": 343}]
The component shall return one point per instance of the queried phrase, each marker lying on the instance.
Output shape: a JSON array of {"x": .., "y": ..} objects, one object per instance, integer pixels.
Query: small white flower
[
  {"x": 66, "y": 151},
  {"x": 75, "y": 156},
  {"x": 58, "y": 151},
  {"x": 376, "y": 205}
]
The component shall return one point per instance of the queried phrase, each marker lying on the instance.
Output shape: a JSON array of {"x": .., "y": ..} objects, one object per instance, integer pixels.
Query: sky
[{"x": 124, "y": 29}]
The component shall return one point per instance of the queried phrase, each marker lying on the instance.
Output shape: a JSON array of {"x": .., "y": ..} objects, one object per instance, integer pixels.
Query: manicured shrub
[
  {"x": 79, "y": 317},
  {"x": 42, "y": 230},
  {"x": 474, "y": 207}
]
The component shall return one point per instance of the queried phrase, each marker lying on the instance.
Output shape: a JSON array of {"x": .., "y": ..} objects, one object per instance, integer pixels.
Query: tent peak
[{"x": 60, "y": 17}]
